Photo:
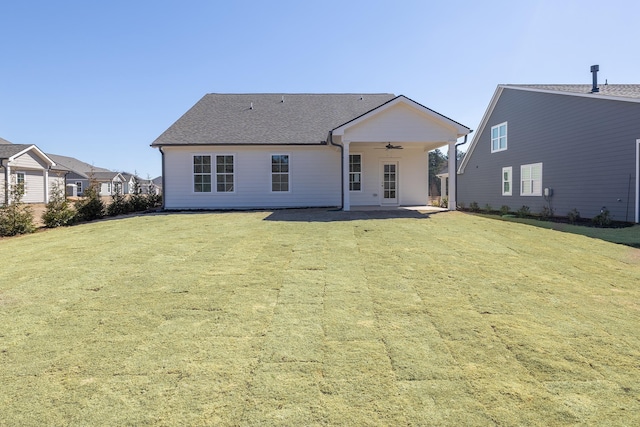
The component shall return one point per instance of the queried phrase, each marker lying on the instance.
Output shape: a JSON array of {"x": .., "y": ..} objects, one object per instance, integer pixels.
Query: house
[
  {"x": 79, "y": 173},
  {"x": 243, "y": 151},
  {"x": 559, "y": 147},
  {"x": 109, "y": 183},
  {"x": 27, "y": 165}
]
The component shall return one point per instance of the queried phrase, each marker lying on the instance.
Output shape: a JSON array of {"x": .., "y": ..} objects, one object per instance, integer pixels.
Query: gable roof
[
  {"x": 611, "y": 92},
  {"x": 75, "y": 165},
  {"x": 4, "y": 141},
  {"x": 106, "y": 176},
  {"x": 11, "y": 151},
  {"x": 283, "y": 119},
  {"x": 460, "y": 128}
]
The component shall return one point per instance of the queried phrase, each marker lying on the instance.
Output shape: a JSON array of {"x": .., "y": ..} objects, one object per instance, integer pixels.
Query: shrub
[
  {"x": 444, "y": 202},
  {"x": 487, "y": 208},
  {"x": 118, "y": 205},
  {"x": 59, "y": 211},
  {"x": 524, "y": 211},
  {"x": 473, "y": 207},
  {"x": 573, "y": 216},
  {"x": 16, "y": 217},
  {"x": 504, "y": 210},
  {"x": 603, "y": 219},
  {"x": 138, "y": 202},
  {"x": 546, "y": 213},
  {"x": 90, "y": 207}
]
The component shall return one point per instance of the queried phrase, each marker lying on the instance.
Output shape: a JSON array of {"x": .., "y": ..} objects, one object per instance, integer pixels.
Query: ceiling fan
[{"x": 390, "y": 146}]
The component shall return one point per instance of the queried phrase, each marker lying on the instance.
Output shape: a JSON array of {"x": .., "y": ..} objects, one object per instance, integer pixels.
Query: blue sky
[{"x": 100, "y": 80}]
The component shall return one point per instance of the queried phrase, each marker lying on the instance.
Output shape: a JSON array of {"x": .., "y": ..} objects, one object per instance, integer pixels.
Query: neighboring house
[
  {"x": 239, "y": 151},
  {"x": 27, "y": 165},
  {"x": 110, "y": 183},
  {"x": 560, "y": 146},
  {"x": 156, "y": 184},
  {"x": 79, "y": 173}
]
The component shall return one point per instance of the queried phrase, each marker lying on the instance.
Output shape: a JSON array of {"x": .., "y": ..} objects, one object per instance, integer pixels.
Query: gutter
[
  {"x": 163, "y": 175},
  {"x": 456, "y": 163},
  {"x": 341, "y": 167},
  {"x": 6, "y": 180}
]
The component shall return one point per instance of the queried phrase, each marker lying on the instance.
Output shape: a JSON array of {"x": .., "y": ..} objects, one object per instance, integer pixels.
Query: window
[
  {"x": 108, "y": 187},
  {"x": 355, "y": 172},
  {"x": 531, "y": 180},
  {"x": 224, "y": 174},
  {"x": 506, "y": 181},
  {"x": 79, "y": 186},
  {"x": 20, "y": 179},
  {"x": 202, "y": 174},
  {"x": 499, "y": 137},
  {"x": 280, "y": 172}
]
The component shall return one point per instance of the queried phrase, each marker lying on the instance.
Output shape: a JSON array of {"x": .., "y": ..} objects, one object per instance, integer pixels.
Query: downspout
[
  {"x": 341, "y": 167},
  {"x": 6, "y": 181},
  {"x": 456, "y": 163},
  {"x": 163, "y": 174}
]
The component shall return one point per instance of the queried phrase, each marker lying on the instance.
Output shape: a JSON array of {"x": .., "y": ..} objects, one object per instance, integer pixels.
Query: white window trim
[
  {"x": 532, "y": 194},
  {"x": 193, "y": 175},
  {"x": 361, "y": 173},
  {"x": 24, "y": 178},
  {"x": 79, "y": 187},
  {"x": 215, "y": 164},
  {"x": 271, "y": 173},
  {"x": 506, "y": 135},
  {"x": 508, "y": 169}
]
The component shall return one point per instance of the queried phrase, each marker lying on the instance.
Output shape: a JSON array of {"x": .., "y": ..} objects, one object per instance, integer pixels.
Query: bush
[
  {"x": 546, "y": 213},
  {"x": 603, "y": 219},
  {"x": 573, "y": 216},
  {"x": 16, "y": 217},
  {"x": 473, "y": 207},
  {"x": 59, "y": 211},
  {"x": 90, "y": 207},
  {"x": 444, "y": 202},
  {"x": 504, "y": 210},
  {"x": 487, "y": 208},
  {"x": 524, "y": 211},
  {"x": 118, "y": 205}
]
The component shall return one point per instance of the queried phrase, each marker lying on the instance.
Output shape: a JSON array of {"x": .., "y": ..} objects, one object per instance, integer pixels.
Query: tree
[
  {"x": 90, "y": 206},
  {"x": 16, "y": 217},
  {"x": 59, "y": 211},
  {"x": 437, "y": 160}
]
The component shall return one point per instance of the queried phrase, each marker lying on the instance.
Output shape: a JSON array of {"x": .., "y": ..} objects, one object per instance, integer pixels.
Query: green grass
[{"x": 249, "y": 319}]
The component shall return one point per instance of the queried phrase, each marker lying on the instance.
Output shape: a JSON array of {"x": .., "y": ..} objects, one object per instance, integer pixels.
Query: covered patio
[{"x": 385, "y": 160}]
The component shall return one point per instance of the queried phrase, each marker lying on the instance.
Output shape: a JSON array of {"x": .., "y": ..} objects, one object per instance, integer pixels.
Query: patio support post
[
  {"x": 452, "y": 176},
  {"x": 346, "y": 205}
]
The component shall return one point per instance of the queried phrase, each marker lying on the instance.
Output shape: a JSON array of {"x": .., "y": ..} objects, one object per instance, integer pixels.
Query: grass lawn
[{"x": 255, "y": 318}]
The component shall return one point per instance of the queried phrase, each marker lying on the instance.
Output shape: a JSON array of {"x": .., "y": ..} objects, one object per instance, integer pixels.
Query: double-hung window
[
  {"x": 355, "y": 172},
  {"x": 224, "y": 174},
  {"x": 531, "y": 180},
  {"x": 79, "y": 186},
  {"x": 499, "y": 137},
  {"x": 20, "y": 179},
  {"x": 202, "y": 174},
  {"x": 280, "y": 172},
  {"x": 506, "y": 181}
]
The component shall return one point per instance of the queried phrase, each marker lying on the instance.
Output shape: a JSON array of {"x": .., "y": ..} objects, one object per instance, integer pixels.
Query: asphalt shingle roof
[
  {"x": 8, "y": 150},
  {"x": 622, "y": 91},
  {"x": 274, "y": 118},
  {"x": 75, "y": 165}
]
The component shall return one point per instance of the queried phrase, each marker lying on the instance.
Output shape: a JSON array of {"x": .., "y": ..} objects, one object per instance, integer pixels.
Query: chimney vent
[{"x": 594, "y": 71}]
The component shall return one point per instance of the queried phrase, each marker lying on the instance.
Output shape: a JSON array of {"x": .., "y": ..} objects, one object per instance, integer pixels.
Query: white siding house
[
  {"x": 299, "y": 150},
  {"x": 28, "y": 166}
]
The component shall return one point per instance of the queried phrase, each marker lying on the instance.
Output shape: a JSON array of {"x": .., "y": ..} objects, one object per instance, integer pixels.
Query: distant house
[
  {"x": 79, "y": 173},
  {"x": 562, "y": 147},
  {"x": 110, "y": 183},
  {"x": 27, "y": 165},
  {"x": 238, "y": 151}
]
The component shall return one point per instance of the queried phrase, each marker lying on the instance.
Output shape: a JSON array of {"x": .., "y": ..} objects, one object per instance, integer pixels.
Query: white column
[
  {"x": 346, "y": 202},
  {"x": 7, "y": 183},
  {"x": 452, "y": 176},
  {"x": 443, "y": 186},
  {"x": 46, "y": 185}
]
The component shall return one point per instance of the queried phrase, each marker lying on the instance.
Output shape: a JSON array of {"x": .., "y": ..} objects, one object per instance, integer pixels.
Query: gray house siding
[{"x": 587, "y": 148}]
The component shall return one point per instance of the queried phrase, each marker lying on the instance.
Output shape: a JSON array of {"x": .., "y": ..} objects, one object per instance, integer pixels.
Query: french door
[{"x": 389, "y": 173}]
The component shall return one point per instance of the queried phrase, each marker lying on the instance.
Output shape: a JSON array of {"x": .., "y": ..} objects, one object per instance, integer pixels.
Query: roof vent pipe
[
  {"x": 594, "y": 71},
  {"x": 251, "y": 108},
  {"x": 282, "y": 99}
]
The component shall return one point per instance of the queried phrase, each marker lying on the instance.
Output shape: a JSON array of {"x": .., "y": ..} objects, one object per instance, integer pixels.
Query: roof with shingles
[
  {"x": 267, "y": 118},
  {"x": 4, "y": 141},
  {"x": 613, "y": 90},
  {"x": 75, "y": 165},
  {"x": 8, "y": 150}
]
